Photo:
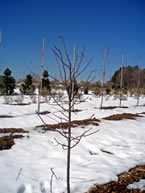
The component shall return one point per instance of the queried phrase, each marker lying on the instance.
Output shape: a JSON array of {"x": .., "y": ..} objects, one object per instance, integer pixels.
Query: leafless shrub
[
  {"x": 33, "y": 98},
  {"x": 47, "y": 98},
  {"x": 19, "y": 99},
  {"x": 97, "y": 92},
  {"x": 60, "y": 96},
  {"x": 8, "y": 99}
]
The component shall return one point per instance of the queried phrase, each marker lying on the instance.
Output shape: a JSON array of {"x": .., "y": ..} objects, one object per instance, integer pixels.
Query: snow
[
  {"x": 39, "y": 153},
  {"x": 138, "y": 185}
]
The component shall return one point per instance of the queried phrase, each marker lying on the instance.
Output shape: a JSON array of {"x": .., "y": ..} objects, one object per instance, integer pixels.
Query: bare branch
[
  {"x": 62, "y": 133},
  {"x": 84, "y": 134},
  {"x": 61, "y": 118},
  {"x": 42, "y": 120},
  {"x": 65, "y": 49},
  {"x": 65, "y": 147},
  {"x": 79, "y": 73},
  {"x": 58, "y": 111},
  {"x": 90, "y": 75},
  {"x": 80, "y": 62},
  {"x": 58, "y": 103},
  {"x": 19, "y": 174}
]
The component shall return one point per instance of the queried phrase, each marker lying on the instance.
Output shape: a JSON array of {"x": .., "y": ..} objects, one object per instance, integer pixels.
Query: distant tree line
[
  {"x": 27, "y": 86},
  {"x": 130, "y": 77}
]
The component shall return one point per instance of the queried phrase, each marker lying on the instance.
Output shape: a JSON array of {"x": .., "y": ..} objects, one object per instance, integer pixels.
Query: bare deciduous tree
[{"x": 69, "y": 72}]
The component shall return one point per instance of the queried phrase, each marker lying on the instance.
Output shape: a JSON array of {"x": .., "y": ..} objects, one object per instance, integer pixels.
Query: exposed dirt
[
  {"x": 21, "y": 104},
  {"x": 44, "y": 113},
  {"x": 6, "y": 142},
  {"x": 76, "y": 110},
  {"x": 122, "y": 116},
  {"x": 113, "y": 107},
  {"x": 75, "y": 123},
  {"x": 124, "y": 179},
  {"x": 13, "y": 130}
]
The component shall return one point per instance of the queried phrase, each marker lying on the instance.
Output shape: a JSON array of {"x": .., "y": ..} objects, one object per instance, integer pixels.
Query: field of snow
[{"x": 37, "y": 153}]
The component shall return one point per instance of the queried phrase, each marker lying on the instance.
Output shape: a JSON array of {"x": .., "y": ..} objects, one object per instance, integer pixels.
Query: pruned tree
[
  {"x": 45, "y": 83},
  {"x": 103, "y": 76},
  {"x": 27, "y": 87},
  {"x": 69, "y": 72},
  {"x": 8, "y": 82}
]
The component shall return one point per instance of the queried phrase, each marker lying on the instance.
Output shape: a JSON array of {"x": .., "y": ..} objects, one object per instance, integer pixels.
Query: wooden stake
[
  {"x": 138, "y": 82},
  {"x": 41, "y": 72},
  {"x": 121, "y": 79}
]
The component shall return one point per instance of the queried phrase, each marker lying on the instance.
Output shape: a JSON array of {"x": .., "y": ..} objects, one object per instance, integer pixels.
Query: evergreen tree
[
  {"x": 45, "y": 83},
  {"x": 76, "y": 87},
  {"x": 27, "y": 87},
  {"x": 86, "y": 90},
  {"x": 8, "y": 82}
]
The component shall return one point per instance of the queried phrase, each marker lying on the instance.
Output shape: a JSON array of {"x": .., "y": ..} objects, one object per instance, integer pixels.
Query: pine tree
[
  {"x": 76, "y": 87},
  {"x": 45, "y": 83},
  {"x": 8, "y": 82},
  {"x": 27, "y": 87}
]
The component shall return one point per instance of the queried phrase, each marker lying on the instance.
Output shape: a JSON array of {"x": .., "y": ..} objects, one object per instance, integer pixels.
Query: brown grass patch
[
  {"x": 124, "y": 179},
  {"x": 75, "y": 123},
  {"x": 113, "y": 107},
  {"x": 44, "y": 113},
  {"x": 143, "y": 113},
  {"x": 122, "y": 116},
  {"x": 76, "y": 110},
  {"x": 6, "y": 142},
  {"x": 13, "y": 130}
]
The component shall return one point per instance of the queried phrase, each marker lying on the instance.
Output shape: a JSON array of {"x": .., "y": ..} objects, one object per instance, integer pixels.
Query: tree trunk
[{"x": 69, "y": 149}]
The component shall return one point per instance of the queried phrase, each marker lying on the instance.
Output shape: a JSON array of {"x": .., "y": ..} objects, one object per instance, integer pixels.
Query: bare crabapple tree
[{"x": 69, "y": 72}]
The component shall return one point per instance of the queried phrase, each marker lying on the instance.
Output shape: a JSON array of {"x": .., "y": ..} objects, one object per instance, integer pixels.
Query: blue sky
[{"x": 96, "y": 24}]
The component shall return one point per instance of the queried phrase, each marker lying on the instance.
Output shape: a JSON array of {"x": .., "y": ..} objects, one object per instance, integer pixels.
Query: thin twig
[{"x": 19, "y": 174}]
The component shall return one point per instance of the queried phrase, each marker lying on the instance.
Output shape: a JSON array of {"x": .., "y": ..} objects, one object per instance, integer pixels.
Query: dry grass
[
  {"x": 75, "y": 123},
  {"x": 124, "y": 179},
  {"x": 6, "y": 142},
  {"x": 13, "y": 130},
  {"x": 122, "y": 116},
  {"x": 113, "y": 107}
]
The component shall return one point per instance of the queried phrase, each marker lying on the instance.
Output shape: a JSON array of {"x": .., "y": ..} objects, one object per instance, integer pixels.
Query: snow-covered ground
[{"x": 35, "y": 156}]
